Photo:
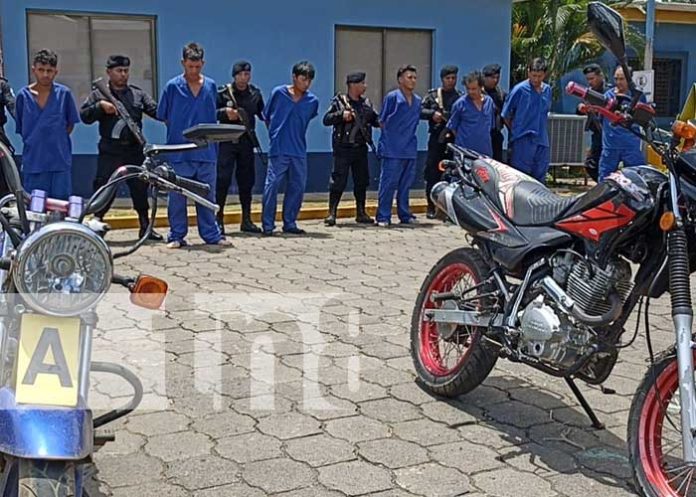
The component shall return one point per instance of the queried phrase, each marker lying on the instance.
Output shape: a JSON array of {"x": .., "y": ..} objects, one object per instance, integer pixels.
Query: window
[
  {"x": 668, "y": 80},
  {"x": 84, "y": 42},
  {"x": 668, "y": 83},
  {"x": 379, "y": 52}
]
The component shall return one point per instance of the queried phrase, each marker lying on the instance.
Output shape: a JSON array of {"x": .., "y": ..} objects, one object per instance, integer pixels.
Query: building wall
[{"x": 273, "y": 35}]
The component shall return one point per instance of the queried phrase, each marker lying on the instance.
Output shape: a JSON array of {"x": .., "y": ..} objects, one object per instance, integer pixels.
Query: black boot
[
  {"x": 248, "y": 225},
  {"x": 144, "y": 220},
  {"x": 334, "y": 199},
  {"x": 361, "y": 215},
  {"x": 220, "y": 219}
]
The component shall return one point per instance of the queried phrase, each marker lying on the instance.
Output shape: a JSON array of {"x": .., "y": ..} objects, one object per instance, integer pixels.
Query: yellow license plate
[{"x": 48, "y": 361}]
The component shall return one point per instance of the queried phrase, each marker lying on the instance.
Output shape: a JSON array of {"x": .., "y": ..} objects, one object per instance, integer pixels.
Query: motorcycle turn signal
[{"x": 149, "y": 292}]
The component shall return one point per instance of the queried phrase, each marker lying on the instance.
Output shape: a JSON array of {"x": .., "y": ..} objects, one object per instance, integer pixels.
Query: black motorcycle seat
[{"x": 522, "y": 199}]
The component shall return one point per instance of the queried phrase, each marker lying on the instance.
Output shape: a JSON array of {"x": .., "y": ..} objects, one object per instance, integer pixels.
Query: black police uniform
[
  {"x": 350, "y": 149},
  {"x": 498, "y": 95},
  {"x": 117, "y": 145},
  {"x": 7, "y": 101},
  {"x": 241, "y": 154},
  {"x": 437, "y": 143},
  {"x": 594, "y": 126}
]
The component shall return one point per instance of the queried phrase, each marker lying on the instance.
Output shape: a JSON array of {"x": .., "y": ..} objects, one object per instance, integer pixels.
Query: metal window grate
[{"x": 567, "y": 139}]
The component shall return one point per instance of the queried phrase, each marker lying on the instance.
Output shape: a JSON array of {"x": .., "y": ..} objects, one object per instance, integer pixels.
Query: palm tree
[{"x": 557, "y": 30}]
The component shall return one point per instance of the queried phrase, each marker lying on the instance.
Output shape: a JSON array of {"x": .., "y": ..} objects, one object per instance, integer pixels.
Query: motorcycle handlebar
[{"x": 195, "y": 187}]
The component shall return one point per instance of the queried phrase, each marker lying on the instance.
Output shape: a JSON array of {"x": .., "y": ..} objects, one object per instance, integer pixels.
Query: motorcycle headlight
[{"x": 63, "y": 269}]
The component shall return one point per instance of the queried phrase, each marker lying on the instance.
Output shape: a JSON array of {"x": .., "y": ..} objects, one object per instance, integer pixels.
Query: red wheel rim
[
  {"x": 659, "y": 439},
  {"x": 439, "y": 357}
]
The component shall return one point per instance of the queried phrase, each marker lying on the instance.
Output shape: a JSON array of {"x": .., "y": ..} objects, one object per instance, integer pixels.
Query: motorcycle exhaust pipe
[{"x": 559, "y": 296}]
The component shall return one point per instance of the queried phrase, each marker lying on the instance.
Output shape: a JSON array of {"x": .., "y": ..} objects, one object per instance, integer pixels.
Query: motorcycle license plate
[{"x": 48, "y": 361}]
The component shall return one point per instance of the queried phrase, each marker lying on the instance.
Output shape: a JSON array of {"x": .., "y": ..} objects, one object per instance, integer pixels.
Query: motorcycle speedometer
[{"x": 63, "y": 269}]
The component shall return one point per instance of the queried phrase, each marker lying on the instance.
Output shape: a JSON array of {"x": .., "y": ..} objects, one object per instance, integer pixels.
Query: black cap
[
  {"x": 240, "y": 66},
  {"x": 117, "y": 61},
  {"x": 447, "y": 70},
  {"x": 491, "y": 70},
  {"x": 355, "y": 77},
  {"x": 592, "y": 68}
]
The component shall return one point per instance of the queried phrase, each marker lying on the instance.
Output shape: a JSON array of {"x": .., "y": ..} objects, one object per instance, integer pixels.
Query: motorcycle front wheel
[
  {"x": 45, "y": 478},
  {"x": 456, "y": 365},
  {"x": 654, "y": 434}
]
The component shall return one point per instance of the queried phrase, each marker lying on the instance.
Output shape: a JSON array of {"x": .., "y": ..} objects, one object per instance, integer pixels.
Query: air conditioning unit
[{"x": 567, "y": 139}]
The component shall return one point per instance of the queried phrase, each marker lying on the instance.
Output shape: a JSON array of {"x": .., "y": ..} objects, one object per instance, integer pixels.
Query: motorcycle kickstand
[{"x": 596, "y": 423}]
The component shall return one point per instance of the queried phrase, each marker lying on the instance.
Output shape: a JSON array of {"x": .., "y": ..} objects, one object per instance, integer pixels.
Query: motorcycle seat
[{"x": 522, "y": 199}]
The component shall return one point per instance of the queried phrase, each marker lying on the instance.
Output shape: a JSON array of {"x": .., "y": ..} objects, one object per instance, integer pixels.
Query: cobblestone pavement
[{"x": 285, "y": 370}]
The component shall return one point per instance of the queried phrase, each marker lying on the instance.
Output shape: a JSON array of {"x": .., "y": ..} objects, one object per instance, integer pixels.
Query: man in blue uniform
[
  {"x": 525, "y": 112},
  {"x": 618, "y": 143},
  {"x": 398, "y": 147},
  {"x": 473, "y": 117},
  {"x": 187, "y": 100},
  {"x": 287, "y": 115},
  {"x": 46, "y": 115}
]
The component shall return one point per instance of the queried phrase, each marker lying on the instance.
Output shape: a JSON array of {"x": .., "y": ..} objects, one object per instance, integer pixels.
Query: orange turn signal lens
[
  {"x": 684, "y": 129},
  {"x": 149, "y": 292},
  {"x": 668, "y": 221},
  {"x": 441, "y": 166}
]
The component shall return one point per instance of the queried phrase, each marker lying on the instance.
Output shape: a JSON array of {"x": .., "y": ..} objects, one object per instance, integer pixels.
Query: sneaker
[
  {"x": 382, "y": 224},
  {"x": 222, "y": 242},
  {"x": 411, "y": 220},
  {"x": 175, "y": 244},
  {"x": 267, "y": 233}
]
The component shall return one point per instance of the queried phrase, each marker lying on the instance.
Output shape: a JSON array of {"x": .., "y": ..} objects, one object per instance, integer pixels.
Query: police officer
[
  {"x": 491, "y": 78},
  {"x": 436, "y": 109},
  {"x": 595, "y": 79},
  {"x": 7, "y": 101},
  {"x": 118, "y": 145},
  {"x": 352, "y": 117},
  {"x": 238, "y": 102}
]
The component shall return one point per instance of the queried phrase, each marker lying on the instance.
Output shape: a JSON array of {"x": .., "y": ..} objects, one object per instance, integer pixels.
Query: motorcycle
[
  {"x": 55, "y": 268},
  {"x": 549, "y": 281}
]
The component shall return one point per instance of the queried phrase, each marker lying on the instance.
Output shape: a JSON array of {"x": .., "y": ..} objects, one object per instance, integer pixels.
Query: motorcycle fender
[{"x": 32, "y": 432}]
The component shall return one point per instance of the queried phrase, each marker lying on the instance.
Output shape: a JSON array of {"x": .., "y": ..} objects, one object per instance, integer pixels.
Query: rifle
[
  {"x": 244, "y": 118},
  {"x": 359, "y": 125},
  {"x": 102, "y": 87},
  {"x": 444, "y": 136}
]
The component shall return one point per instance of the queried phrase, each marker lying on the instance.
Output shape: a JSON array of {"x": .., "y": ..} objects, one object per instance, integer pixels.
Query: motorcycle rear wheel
[
  {"x": 473, "y": 360},
  {"x": 45, "y": 478},
  {"x": 654, "y": 434}
]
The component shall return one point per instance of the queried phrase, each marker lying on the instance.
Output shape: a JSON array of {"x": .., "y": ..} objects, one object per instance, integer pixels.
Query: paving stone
[
  {"x": 158, "y": 423},
  {"x": 507, "y": 482},
  {"x": 389, "y": 410},
  {"x": 392, "y": 453},
  {"x": 289, "y": 425},
  {"x": 425, "y": 432},
  {"x": 202, "y": 472},
  {"x": 120, "y": 471},
  {"x": 224, "y": 424},
  {"x": 151, "y": 490},
  {"x": 315, "y": 491},
  {"x": 248, "y": 447},
  {"x": 320, "y": 450},
  {"x": 357, "y": 429},
  {"x": 355, "y": 478},
  {"x": 233, "y": 490},
  {"x": 278, "y": 475},
  {"x": 178, "y": 446},
  {"x": 466, "y": 457},
  {"x": 432, "y": 480}
]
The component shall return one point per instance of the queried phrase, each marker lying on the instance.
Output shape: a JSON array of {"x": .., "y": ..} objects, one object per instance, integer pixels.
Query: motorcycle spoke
[{"x": 687, "y": 481}]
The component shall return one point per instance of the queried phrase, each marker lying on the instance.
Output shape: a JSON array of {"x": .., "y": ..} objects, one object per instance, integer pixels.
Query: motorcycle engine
[{"x": 548, "y": 332}]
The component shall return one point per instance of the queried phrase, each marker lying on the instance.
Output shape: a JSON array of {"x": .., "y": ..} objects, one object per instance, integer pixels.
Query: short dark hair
[
  {"x": 473, "y": 77},
  {"x": 405, "y": 69},
  {"x": 304, "y": 68},
  {"x": 46, "y": 57},
  {"x": 538, "y": 64},
  {"x": 193, "y": 52},
  {"x": 593, "y": 69}
]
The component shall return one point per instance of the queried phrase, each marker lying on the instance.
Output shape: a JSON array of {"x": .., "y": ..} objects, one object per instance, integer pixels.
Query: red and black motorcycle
[{"x": 549, "y": 280}]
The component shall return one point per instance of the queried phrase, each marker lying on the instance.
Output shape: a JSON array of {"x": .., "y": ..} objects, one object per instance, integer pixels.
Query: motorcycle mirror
[
  {"x": 608, "y": 26},
  {"x": 148, "y": 292}
]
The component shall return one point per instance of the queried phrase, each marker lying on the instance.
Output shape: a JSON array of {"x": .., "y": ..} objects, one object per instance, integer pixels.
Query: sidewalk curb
[{"x": 232, "y": 218}]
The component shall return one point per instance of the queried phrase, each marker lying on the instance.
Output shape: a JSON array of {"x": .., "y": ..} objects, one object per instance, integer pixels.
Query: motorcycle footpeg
[{"x": 103, "y": 438}]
